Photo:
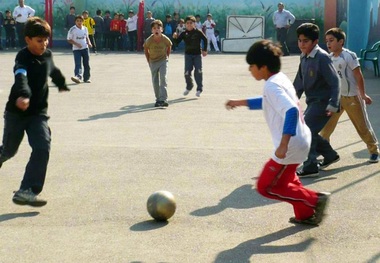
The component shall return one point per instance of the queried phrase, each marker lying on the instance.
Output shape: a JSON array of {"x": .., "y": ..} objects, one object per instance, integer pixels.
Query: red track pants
[{"x": 280, "y": 182}]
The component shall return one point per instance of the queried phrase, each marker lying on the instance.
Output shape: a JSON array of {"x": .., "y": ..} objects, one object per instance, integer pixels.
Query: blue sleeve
[
  {"x": 291, "y": 119},
  {"x": 255, "y": 103}
]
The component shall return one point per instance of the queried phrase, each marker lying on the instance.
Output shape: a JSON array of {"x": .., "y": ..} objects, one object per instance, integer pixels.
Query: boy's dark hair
[
  {"x": 309, "y": 30},
  {"x": 72, "y": 7},
  {"x": 190, "y": 18},
  {"x": 7, "y": 11},
  {"x": 156, "y": 22},
  {"x": 79, "y": 17},
  {"x": 168, "y": 16},
  {"x": 265, "y": 53},
  {"x": 85, "y": 12},
  {"x": 37, "y": 27},
  {"x": 98, "y": 12},
  {"x": 337, "y": 33},
  {"x": 197, "y": 16},
  {"x": 107, "y": 12}
]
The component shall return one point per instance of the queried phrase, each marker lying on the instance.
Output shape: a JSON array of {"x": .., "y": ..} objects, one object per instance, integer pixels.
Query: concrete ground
[{"x": 111, "y": 149}]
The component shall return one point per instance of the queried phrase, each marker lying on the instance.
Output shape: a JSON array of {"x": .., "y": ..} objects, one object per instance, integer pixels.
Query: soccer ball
[{"x": 161, "y": 205}]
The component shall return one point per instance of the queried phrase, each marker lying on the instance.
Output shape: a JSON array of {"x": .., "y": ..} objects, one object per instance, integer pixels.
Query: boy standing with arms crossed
[
  {"x": 193, "y": 60},
  {"x": 157, "y": 49},
  {"x": 316, "y": 77},
  {"x": 290, "y": 134},
  {"x": 26, "y": 109},
  {"x": 353, "y": 97}
]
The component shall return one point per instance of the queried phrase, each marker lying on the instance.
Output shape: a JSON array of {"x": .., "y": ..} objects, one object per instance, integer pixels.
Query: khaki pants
[{"x": 356, "y": 111}]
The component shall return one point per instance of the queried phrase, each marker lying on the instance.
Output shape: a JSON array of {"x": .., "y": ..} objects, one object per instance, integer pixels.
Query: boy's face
[
  {"x": 149, "y": 15},
  {"x": 198, "y": 18},
  {"x": 72, "y": 11},
  {"x": 121, "y": 17},
  {"x": 256, "y": 72},
  {"x": 37, "y": 45},
  {"x": 79, "y": 23},
  {"x": 116, "y": 17},
  {"x": 156, "y": 30},
  {"x": 333, "y": 44},
  {"x": 85, "y": 15},
  {"x": 306, "y": 45},
  {"x": 209, "y": 18},
  {"x": 8, "y": 14},
  {"x": 190, "y": 25}
]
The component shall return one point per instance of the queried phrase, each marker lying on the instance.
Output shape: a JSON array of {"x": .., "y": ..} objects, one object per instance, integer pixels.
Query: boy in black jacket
[
  {"x": 26, "y": 109},
  {"x": 193, "y": 59}
]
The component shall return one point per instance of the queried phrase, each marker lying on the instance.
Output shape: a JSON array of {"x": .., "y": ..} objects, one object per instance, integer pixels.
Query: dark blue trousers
[
  {"x": 193, "y": 62},
  {"x": 39, "y": 137},
  {"x": 79, "y": 55}
]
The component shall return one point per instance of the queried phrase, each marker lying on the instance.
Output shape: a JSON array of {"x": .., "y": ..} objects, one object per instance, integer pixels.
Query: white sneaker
[
  {"x": 88, "y": 81},
  {"x": 27, "y": 197},
  {"x": 198, "y": 94},
  {"x": 186, "y": 92},
  {"x": 75, "y": 79}
]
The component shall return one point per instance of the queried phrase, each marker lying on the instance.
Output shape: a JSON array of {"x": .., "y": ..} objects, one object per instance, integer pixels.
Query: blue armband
[
  {"x": 255, "y": 103},
  {"x": 291, "y": 119},
  {"x": 20, "y": 71}
]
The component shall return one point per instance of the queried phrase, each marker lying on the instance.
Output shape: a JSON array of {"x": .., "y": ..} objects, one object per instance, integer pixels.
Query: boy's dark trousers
[
  {"x": 316, "y": 118},
  {"x": 193, "y": 61},
  {"x": 39, "y": 137}
]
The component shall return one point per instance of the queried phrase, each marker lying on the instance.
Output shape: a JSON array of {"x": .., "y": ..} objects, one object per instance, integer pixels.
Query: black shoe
[
  {"x": 27, "y": 197},
  {"x": 322, "y": 165},
  {"x": 323, "y": 199},
  {"x": 164, "y": 104},
  {"x": 306, "y": 174},
  {"x": 309, "y": 221},
  {"x": 158, "y": 104}
]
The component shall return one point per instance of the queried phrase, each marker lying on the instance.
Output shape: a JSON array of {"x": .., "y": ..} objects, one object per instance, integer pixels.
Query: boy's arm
[
  {"x": 360, "y": 83},
  {"x": 205, "y": 42},
  {"x": 146, "y": 52},
  {"x": 331, "y": 77},
  {"x": 289, "y": 130},
  {"x": 298, "y": 83},
  {"x": 21, "y": 87},
  {"x": 57, "y": 77},
  {"x": 252, "y": 103}
]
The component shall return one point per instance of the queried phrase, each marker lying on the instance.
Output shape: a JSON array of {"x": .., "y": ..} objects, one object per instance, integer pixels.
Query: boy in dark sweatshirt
[
  {"x": 193, "y": 60},
  {"x": 26, "y": 109}
]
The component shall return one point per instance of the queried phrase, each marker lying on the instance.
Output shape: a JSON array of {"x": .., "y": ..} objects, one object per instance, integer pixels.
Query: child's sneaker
[
  {"x": 325, "y": 163},
  {"x": 198, "y": 94},
  {"x": 323, "y": 199},
  {"x": 374, "y": 158},
  {"x": 88, "y": 81},
  {"x": 186, "y": 92},
  {"x": 76, "y": 79},
  {"x": 27, "y": 197},
  {"x": 309, "y": 221}
]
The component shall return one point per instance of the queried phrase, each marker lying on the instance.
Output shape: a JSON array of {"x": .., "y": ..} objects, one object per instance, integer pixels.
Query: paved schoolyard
[{"x": 111, "y": 149}]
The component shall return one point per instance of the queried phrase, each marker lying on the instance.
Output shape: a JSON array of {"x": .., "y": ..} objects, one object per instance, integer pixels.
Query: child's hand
[
  {"x": 231, "y": 104},
  {"x": 175, "y": 35},
  {"x": 204, "y": 53},
  {"x": 78, "y": 45},
  {"x": 281, "y": 151},
  {"x": 89, "y": 44},
  {"x": 22, "y": 103},
  {"x": 367, "y": 99}
]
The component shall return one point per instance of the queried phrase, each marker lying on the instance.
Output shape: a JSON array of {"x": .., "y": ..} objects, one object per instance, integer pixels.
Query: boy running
[{"x": 290, "y": 135}]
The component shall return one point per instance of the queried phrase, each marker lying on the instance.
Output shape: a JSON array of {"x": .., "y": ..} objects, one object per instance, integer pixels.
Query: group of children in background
[
  {"x": 332, "y": 83},
  {"x": 9, "y": 25}
]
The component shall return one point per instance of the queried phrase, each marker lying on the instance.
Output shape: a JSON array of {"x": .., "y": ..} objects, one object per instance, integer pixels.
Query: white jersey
[
  {"x": 132, "y": 23},
  {"x": 79, "y": 35},
  {"x": 198, "y": 25},
  {"x": 209, "y": 25},
  {"x": 283, "y": 18},
  {"x": 21, "y": 14},
  {"x": 344, "y": 64},
  {"x": 278, "y": 97}
]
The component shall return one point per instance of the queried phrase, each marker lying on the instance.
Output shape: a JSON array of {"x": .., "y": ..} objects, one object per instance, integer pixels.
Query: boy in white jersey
[
  {"x": 353, "y": 97},
  {"x": 290, "y": 135},
  {"x": 79, "y": 38},
  {"x": 209, "y": 26}
]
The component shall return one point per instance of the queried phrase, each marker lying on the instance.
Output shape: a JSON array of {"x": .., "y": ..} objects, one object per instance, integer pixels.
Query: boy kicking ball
[
  {"x": 291, "y": 137},
  {"x": 26, "y": 110}
]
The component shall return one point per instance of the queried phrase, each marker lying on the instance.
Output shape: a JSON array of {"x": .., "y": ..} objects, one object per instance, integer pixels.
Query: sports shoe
[
  {"x": 158, "y": 104},
  {"x": 320, "y": 207},
  {"x": 374, "y": 158},
  {"x": 309, "y": 221},
  {"x": 164, "y": 104},
  {"x": 27, "y": 197},
  {"x": 322, "y": 165},
  {"x": 88, "y": 81},
  {"x": 186, "y": 92},
  {"x": 198, "y": 94},
  {"x": 305, "y": 174},
  {"x": 76, "y": 79}
]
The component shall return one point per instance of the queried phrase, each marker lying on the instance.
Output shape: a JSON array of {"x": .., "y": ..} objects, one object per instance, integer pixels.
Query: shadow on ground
[
  {"x": 244, "y": 197},
  {"x": 133, "y": 109},
  {"x": 244, "y": 251},
  {"x": 10, "y": 216}
]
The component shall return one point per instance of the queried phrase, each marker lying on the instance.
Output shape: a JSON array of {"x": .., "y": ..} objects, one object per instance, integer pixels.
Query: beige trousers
[{"x": 356, "y": 111}]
